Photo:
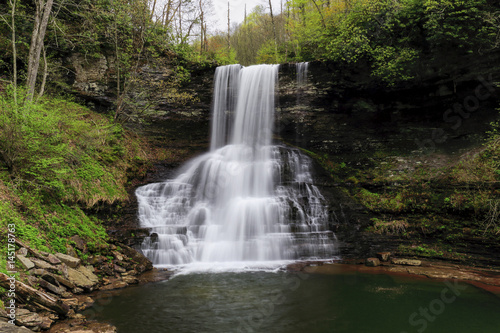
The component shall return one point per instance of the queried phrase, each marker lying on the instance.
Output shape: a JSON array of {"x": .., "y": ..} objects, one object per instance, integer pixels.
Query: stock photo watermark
[
  {"x": 421, "y": 318},
  {"x": 458, "y": 113},
  {"x": 254, "y": 321},
  {"x": 10, "y": 304}
]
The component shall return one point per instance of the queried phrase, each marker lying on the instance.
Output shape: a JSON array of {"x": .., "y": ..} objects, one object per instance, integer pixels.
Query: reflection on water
[{"x": 285, "y": 302}]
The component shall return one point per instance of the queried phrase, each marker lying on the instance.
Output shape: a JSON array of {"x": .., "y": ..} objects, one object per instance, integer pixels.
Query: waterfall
[
  {"x": 246, "y": 199},
  {"x": 301, "y": 69}
]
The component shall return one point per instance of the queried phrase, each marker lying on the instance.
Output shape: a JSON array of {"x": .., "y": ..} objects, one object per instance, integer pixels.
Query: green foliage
[
  {"x": 62, "y": 150},
  {"x": 58, "y": 157},
  {"x": 46, "y": 226}
]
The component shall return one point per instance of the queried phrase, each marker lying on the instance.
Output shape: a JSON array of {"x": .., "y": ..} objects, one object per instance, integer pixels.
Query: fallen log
[{"x": 30, "y": 295}]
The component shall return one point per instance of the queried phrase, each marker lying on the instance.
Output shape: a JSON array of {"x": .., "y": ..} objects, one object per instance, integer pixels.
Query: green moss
[{"x": 63, "y": 158}]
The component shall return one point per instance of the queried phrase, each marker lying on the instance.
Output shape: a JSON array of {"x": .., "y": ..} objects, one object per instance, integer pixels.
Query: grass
[{"x": 58, "y": 159}]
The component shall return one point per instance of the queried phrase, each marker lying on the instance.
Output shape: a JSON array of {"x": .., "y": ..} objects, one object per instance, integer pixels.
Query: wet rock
[
  {"x": 84, "y": 302},
  {"x": 406, "y": 262},
  {"x": 25, "y": 262},
  {"x": 372, "y": 262},
  {"x": 130, "y": 279},
  {"x": 71, "y": 302},
  {"x": 115, "y": 284},
  {"x": 384, "y": 256},
  {"x": 154, "y": 237},
  {"x": 69, "y": 260}
]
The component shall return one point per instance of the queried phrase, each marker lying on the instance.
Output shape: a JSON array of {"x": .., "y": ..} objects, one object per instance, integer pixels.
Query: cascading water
[
  {"x": 246, "y": 199},
  {"x": 301, "y": 68}
]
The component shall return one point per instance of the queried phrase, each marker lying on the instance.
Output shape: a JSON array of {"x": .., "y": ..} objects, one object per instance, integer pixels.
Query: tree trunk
[
  {"x": 320, "y": 14},
  {"x": 45, "y": 74},
  {"x": 153, "y": 10},
  {"x": 228, "y": 28},
  {"x": 274, "y": 31},
  {"x": 43, "y": 11},
  {"x": 14, "y": 49}
]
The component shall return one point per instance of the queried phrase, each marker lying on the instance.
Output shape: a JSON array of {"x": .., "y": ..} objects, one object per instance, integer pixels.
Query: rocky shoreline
[
  {"x": 61, "y": 293},
  {"x": 484, "y": 278},
  {"x": 52, "y": 292}
]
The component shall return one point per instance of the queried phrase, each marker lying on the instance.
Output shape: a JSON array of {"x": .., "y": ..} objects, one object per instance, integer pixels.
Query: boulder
[
  {"x": 79, "y": 243},
  {"x": 25, "y": 262},
  {"x": 81, "y": 277},
  {"x": 63, "y": 281},
  {"x": 52, "y": 287},
  {"x": 22, "y": 252},
  {"x": 115, "y": 284},
  {"x": 384, "y": 256},
  {"x": 406, "y": 262},
  {"x": 68, "y": 260},
  {"x": 38, "y": 272},
  {"x": 71, "y": 251},
  {"x": 41, "y": 264},
  {"x": 130, "y": 279},
  {"x": 53, "y": 259},
  {"x": 372, "y": 262}
]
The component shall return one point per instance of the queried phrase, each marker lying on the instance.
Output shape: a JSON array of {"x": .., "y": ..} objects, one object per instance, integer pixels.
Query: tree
[
  {"x": 43, "y": 10},
  {"x": 12, "y": 26}
]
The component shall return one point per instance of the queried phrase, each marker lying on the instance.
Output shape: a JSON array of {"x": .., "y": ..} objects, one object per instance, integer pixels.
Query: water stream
[{"x": 247, "y": 199}]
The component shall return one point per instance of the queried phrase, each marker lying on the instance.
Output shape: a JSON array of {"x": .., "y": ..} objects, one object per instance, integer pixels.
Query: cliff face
[{"x": 382, "y": 153}]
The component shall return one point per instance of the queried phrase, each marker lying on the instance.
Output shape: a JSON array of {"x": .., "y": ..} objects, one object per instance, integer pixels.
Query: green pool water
[{"x": 289, "y": 302}]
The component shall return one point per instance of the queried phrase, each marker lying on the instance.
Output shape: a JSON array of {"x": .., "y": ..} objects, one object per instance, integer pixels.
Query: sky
[{"x": 237, "y": 10}]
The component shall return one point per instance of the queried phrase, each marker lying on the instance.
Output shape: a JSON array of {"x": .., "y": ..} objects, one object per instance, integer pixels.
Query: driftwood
[{"x": 30, "y": 295}]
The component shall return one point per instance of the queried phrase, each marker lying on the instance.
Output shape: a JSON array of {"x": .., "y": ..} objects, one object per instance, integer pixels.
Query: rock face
[{"x": 339, "y": 112}]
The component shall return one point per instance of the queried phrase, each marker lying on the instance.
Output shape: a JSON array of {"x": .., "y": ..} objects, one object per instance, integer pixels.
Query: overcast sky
[{"x": 237, "y": 10}]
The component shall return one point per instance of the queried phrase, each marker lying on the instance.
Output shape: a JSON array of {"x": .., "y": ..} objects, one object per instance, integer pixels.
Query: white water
[{"x": 246, "y": 201}]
